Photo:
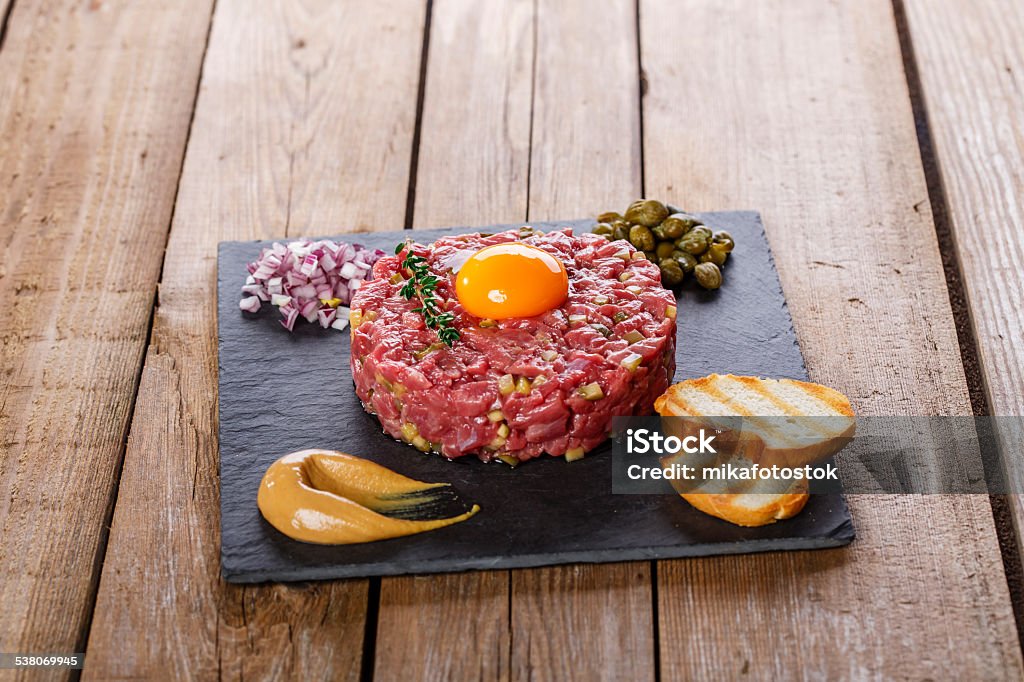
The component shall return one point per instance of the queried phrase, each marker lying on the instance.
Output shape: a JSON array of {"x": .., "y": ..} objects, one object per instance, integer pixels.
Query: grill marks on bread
[
  {"x": 775, "y": 410},
  {"x": 728, "y": 395},
  {"x": 774, "y": 430}
]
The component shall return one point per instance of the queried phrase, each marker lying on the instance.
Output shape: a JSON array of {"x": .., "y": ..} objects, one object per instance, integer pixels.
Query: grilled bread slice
[
  {"x": 765, "y": 435},
  {"x": 770, "y": 411}
]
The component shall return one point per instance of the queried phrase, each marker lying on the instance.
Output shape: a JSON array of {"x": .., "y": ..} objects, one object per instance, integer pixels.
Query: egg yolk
[{"x": 511, "y": 280}]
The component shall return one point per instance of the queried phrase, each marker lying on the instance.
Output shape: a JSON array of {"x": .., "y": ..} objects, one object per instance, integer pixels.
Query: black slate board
[{"x": 281, "y": 392}]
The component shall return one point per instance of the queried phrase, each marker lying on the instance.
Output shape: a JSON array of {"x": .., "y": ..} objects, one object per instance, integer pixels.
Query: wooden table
[{"x": 881, "y": 140}]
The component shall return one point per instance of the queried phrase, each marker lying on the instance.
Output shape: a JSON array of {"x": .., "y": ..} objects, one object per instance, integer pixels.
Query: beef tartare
[{"x": 513, "y": 389}]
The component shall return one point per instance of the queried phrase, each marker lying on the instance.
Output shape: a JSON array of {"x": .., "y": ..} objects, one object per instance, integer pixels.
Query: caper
[
  {"x": 708, "y": 275},
  {"x": 702, "y": 229},
  {"x": 724, "y": 240},
  {"x": 686, "y": 261},
  {"x": 646, "y": 212},
  {"x": 609, "y": 216},
  {"x": 641, "y": 237},
  {"x": 620, "y": 232},
  {"x": 671, "y": 273},
  {"x": 602, "y": 229},
  {"x": 672, "y": 227},
  {"x": 651, "y": 255},
  {"x": 664, "y": 250},
  {"x": 693, "y": 242},
  {"x": 689, "y": 221},
  {"x": 658, "y": 233},
  {"x": 715, "y": 254}
]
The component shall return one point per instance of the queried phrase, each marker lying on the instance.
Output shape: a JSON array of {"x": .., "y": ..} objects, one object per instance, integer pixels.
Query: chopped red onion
[
  {"x": 309, "y": 310},
  {"x": 304, "y": 291},
  {"x": 250, "y": 304},
  {"x": 290, "y": 315},
  {"x": 349, "y": 270},
  {"x": 309, "y": 279},
  {"x": 309, "y": 265},
  {"x": 326, "y": 316},
  {"x": 341, "y": 321}
]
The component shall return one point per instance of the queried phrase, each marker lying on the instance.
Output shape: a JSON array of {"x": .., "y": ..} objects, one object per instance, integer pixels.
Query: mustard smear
[{"x": 330, "y": 498}]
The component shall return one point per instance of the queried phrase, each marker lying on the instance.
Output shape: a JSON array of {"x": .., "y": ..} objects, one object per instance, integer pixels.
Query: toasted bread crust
[
  {"x": 783, "y": 506},
  {"x": 723, "y": 506}
]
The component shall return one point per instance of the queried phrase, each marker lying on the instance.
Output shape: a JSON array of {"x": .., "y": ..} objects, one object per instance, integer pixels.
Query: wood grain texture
[
  {"x": 452, "y": 626},
  {"x": 585, "y": 156},
  {"x": 5, "y": 7},
  {"x": 475, "y": 132},
  {"x": 580, "y": 622},
  {"x": 970, "y": 61},
  {"x": 970, "y": 58},
  {"x": 94, "y": 110},
  {"x": 800, "y": 109},
  {"x": 295, "y": 132},
  {"x": 583, "y": 622}
]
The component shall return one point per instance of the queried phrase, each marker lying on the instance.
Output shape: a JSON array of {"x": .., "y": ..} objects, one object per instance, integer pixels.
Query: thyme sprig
[{"x": 422, "y": 285}]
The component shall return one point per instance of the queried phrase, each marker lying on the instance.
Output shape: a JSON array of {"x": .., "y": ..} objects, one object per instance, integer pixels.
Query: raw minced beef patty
[{"x": 525, "y": 386}]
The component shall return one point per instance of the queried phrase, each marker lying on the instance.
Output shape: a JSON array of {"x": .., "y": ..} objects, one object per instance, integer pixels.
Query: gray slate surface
[{"x": 281, "y": 392}]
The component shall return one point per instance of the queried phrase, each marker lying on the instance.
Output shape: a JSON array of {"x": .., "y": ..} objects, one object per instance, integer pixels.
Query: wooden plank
[
  {"x": 584, "y": 156},
  {"x": 800, "y": 108},
  {"x": 296, "y": 131},
  {"x": 444, "y": 627},
  {"x": 475, "y": 134},
  {"x": 5, "y": 8},
  {"x": 586, "y": 115},
  {"x": 94, "y": 112},
  {"x": 971, "y": 65}
]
